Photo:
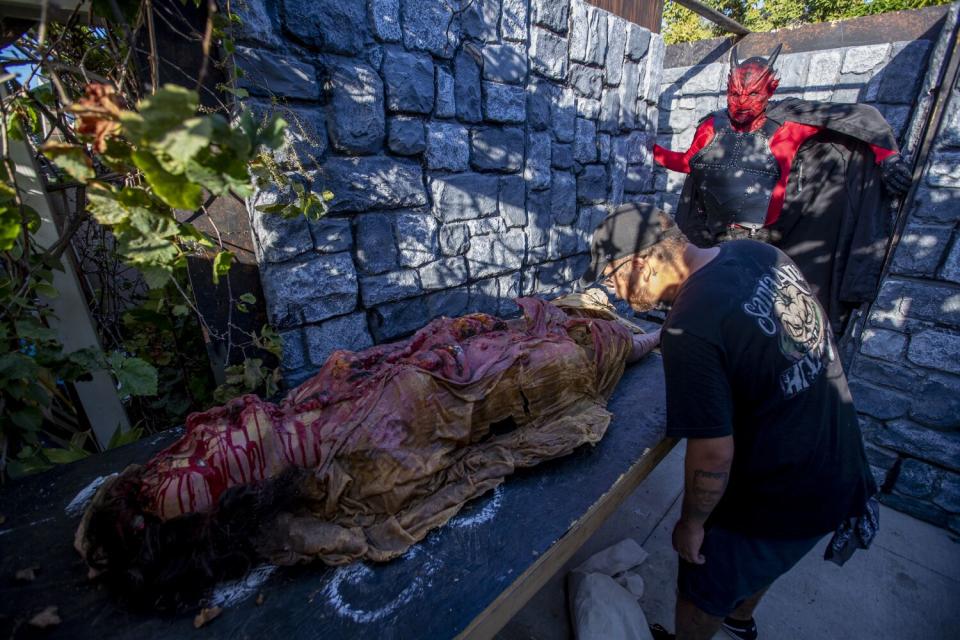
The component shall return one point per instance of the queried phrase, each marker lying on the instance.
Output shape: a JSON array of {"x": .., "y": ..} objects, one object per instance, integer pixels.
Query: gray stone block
[
  {"x": 638, "y": 39},
  {"x": 882, "y": 404},
  {"x": 409, "y": 81},
  {"x": 305, "y": 138},
  {"x": 948, "y": 498},
  {"x": 348, "y": 333},
  {"x": 259, "y": 24},
  {"x": 504, "y": 103},
  {"x": 537, "y": 170},
  {"x": 480, "y": 19},
  {"x": 388, "y": 287},
  {"x": 579, "y": 30},
  {"x": 374, "y": 56},
  {"x": 592, "y": 184},
  {"x": 864, "y": 59},
  {"x": 416, "y": 235},
  {"x": 550, "y": 13},
  {"x": 506, "y": 63},
  {"x": 564, "y": 116},
  {"x": 327, "y": 25},
  {"x": 464, "y": 196},
  {"x": 446, "y": 103},
  {"x": 485, "y": 296},
  {"x": 585, "y": 142},
  {"x": 451, "y": 303},
  {"x": 937, "y": 205},
  {"x": 563, "y": 198},
  {"x": 355, "y": 107},
  {"x": 373, "y": 182},
  {"x": 510, "y": 287},
  {"x": 466, "y": 73},
  {"x": 900, "y": 301},
  {"x": 385, "y": 19},
  {"x": 496, "y": 254},
  {"x": 937, "y": 402},
  {"x": 610, "y": 111},
  {"x": 944, "y": 170},
  {"x": 639, "y": 178},
  {"x": 541, "y": 94},
  {"x": 448, "y": 146},
  {"x": 539, "y": 222},
  {"x": 951, "y": 266},
  {"x": 603, "y": 146},
  {"x": 309, "y": 289},
  {"x": 429, "y": 26},
  {"x": 294, "y": 349},
  {"x": 920, "y": 250},
  {"x": 628, "y": 90},
  {"x": 406, "y": 135},
  {"x": 497, "y": 149},
  {"x": 917, "y": 479},
  {"x": 897, "y": 116},
  {"x": 652, "y": 69},
  {"x": 561, "y": 156},
  {"x": 513, "y": 20},
  {"x": 492, "y": 225},
  {"x": 596, "y": 36},
  {"x": 917, "y": 508},
  {"x": 883, "y": 344},
  {"x": 904, "y": 73},
  {"x": 268, "y": 74},
  {"x": 588, "y": 220},
  {"x": 939, "y": 447},
  {"x": 376, "y": 247},
  {"x": 454, "y": 239},
  {"x": 548, "y": 54},
  {"x": 588, "y": 81},
  {"x": 898, "y": 375},
  {"x": 278, "y": 238},
  {"x": 331, "y": 235},
  {"x": 616, "y": 48},
  {"x": 822, "y": 74},
  {"x": 589, "y": 108},
  {"x": 513, "y": 191},
  {"x": 397, "y": 319},
  {"x": 444, "y": 273}
]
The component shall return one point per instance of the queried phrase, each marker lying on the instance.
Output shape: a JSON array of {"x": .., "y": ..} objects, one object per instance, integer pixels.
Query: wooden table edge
[{"x": 489, "y": 621}]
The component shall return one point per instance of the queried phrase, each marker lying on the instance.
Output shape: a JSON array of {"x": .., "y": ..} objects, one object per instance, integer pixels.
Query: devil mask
[{"x": 749, "y": 87}]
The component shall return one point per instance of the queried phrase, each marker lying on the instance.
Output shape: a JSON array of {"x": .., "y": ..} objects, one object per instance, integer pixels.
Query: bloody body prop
[{"x": 363, "y": 459}]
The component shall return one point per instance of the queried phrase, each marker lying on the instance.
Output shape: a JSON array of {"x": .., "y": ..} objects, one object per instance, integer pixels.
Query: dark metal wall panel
[{"x": 646, "y": 13}]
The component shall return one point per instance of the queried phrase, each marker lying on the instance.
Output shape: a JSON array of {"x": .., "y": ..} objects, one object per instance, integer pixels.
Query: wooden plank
[
  {"x": 514, "y": 597},
  {"x": 646, "y": 13},
  {"x": 452, "y": 582}
]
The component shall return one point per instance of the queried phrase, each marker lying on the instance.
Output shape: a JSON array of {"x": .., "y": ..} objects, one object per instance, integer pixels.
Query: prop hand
[
  {"x": 643, "y": 344},
  {"x": 896, "y": 175},
  {"x": 687, "y": 540}
]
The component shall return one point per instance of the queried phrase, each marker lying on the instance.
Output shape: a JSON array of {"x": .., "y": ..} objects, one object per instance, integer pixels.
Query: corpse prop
[
  {"x": 362, "y": 460},
  {"x": 805, "y": 176}
]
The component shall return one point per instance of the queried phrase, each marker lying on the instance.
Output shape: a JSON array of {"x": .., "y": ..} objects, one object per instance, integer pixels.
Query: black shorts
[{"x": 737, "y": 566}]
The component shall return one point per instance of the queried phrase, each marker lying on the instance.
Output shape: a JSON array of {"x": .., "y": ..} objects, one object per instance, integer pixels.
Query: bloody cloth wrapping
[{"x": 385, "y": 444}]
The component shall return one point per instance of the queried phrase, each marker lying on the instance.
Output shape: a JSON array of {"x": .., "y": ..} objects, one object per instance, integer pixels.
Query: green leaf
[
  {"x": 47, "y": 290},
  {"x": 221, "y": 265},
  {"x": 30, "y": 329},
  {"x": 159, "y": 114},
  {"x": 120, "y": 438},
  {"x": 63, "y": 456},
  {"x": 183, "y": 143},
  {"x": 136, "y": 377},
  {"x": 17, "y": 366},
  {"x": 180, "y": 310},
  {"x": 106, "y": 207},
  {"x": 10, "y": 226},
  {"x": 27, "y": 418},
  {"x": 72, "y": 158},
  {"x": 271, "y": 133},
  {"x": 249, "y": 298},
  {"x": 175, "y": 190},
  {"x": 156, "y": 277}
]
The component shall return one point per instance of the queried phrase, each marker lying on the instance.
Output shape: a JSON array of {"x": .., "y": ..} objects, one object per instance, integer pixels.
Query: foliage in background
[
  {"x": 682, "y": 25},
  {"x": 134, "y": 153}
]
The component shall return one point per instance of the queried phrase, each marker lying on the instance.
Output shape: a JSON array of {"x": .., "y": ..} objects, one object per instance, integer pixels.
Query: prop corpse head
[{"x": 749, "y": 87}]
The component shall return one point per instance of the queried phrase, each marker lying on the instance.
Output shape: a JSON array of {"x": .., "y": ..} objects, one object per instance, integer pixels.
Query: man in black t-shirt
[{"x": 774, "y": 455}]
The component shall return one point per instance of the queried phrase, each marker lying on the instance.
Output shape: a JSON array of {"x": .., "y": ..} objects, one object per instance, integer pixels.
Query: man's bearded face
[{"x": 748, "y": 91}]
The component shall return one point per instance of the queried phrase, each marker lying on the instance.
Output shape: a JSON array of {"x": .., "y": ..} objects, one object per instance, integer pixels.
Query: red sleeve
[
  {"x": 880, "y": 153},
  {"x": 783, "y": 145},
  {"x": 676, "y": 161}
]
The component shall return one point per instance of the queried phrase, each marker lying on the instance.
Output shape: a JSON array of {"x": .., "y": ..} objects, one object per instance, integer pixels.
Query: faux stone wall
[
  {"x": 906, "y": 377},
  {"x": 887, "y": 76},
  {"x": 470, "y": 154}
]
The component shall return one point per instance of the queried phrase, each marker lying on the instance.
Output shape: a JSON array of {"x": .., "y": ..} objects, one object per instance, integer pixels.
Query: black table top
[{"x": 435, "y": 590}]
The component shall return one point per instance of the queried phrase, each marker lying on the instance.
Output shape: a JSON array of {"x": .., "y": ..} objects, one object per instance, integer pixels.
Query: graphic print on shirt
[{"x": 783, "y": 305}]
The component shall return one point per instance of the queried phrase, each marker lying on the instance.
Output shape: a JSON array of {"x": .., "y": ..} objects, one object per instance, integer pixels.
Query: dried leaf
[
  {"x": 27, "y": 575},
  {"x": 205, "y": 616},
  {"x": 46, "y": 618},
  {"x": 98, "y": 113}
]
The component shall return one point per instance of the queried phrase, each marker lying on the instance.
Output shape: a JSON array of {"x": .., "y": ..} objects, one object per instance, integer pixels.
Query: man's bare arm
[{"x": 707, "y": 471}]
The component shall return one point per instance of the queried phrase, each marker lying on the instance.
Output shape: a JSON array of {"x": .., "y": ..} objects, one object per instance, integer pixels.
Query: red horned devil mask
[{"x": 749, "y": 87}]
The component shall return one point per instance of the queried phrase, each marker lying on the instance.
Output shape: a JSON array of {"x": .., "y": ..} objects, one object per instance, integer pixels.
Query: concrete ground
[{"x": 906, "y": 586}]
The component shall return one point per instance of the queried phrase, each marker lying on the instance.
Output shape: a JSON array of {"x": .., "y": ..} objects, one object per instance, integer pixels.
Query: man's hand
[
  {"x": 895, "y": 174},
  {"x": 687, "y": 540},
  {"x": 643, "y": 344}
]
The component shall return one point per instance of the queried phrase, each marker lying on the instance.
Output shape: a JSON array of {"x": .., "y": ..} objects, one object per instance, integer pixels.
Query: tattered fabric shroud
[{"x": 365, "y": 458}]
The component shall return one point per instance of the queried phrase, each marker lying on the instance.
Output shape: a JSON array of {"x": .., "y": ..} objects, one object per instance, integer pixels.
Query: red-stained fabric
[{"x": 680, "y": 161}]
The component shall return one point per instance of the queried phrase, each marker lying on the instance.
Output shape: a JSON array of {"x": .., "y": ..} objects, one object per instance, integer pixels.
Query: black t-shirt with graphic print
[{"x": 748, "y": 351}]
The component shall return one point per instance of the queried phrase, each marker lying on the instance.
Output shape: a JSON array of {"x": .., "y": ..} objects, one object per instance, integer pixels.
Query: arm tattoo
[{"x": 702, "y": 496}]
